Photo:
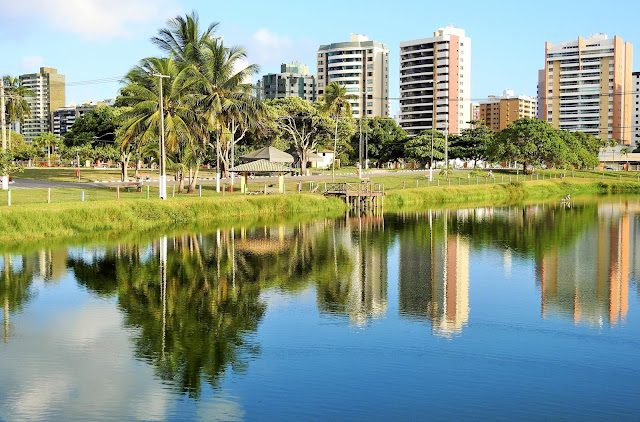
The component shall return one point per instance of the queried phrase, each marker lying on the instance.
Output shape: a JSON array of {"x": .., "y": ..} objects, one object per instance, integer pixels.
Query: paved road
[{"x": 44, "y": 184}]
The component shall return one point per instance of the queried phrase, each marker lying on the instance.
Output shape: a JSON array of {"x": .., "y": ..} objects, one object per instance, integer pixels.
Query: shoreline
[{"x": 25, "y": 224}]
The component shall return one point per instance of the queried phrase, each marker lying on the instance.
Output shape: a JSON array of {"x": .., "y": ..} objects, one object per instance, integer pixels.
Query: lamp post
[{"x": 162, "y": 180}]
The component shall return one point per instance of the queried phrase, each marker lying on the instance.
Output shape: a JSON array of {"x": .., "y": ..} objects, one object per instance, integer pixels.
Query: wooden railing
[{"x": 347, "y": 188}]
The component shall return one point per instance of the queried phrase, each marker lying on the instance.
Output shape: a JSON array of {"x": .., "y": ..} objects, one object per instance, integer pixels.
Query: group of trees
[
  {"x": 530, "y": 142},
  {"x": 210, "y": 115}
]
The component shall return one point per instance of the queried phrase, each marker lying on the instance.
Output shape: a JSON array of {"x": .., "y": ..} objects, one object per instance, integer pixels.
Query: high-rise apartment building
[
  {"x": 362, "y": 66},
  {"x": 435, "y": 82},
  {"x": 497, "y": 112},
  {"x": 293, "y": 81},
  {"x": 587, "y": 86},
  {"x": 48, "y": 88},
  {"x": 635, "y": 109}
]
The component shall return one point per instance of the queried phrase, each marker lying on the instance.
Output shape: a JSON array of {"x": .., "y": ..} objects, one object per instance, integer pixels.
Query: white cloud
[
  {"x": 268, "y": 48},
  {"x": 31, "y": 63},
  {"x": 94, "y": 20}
]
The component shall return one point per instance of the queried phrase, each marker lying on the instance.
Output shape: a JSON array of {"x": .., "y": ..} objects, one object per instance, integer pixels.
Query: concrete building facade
[
  {"x": 362, "y": 66},
  {"x": 293, "y": 81},
  {"x": 48, "y": 87},
  {"x": 498, "y": 112},
  {"x": 435, "y": 82},
  {"x": 587, "y": 86}
]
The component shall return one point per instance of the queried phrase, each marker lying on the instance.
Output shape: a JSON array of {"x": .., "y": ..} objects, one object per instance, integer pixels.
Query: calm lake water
[{"x": 519, "y": 313}]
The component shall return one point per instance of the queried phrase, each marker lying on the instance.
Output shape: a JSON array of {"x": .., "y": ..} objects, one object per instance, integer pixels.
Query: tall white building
[
  {"x": 362, "y": 66},
  {"x": 435, "y": 82},
  {"x": 587, "y": 84},
  {"x": 48, "y": 88}
]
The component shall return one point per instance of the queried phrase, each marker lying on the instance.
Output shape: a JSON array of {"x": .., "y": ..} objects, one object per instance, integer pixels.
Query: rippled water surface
[{"x": 527, "y": 312}]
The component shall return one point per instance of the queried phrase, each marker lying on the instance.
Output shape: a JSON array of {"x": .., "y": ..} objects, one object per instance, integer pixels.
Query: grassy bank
[
  {"x": 109, "y": 218},
  {"x": 508, "y": 192}
]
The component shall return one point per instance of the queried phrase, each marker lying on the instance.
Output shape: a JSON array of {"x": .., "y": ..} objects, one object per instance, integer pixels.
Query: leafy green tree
[
  {"x": 96, "y": 127},
  {"x": 421, "y": 146},
  {"x": 300, "y": 124},
  {"x": 472, "y": 143},
  {"x": 7, "y": 164},
  {"x": 530, "y": 141},
  {"x": 385, "y": 138}
]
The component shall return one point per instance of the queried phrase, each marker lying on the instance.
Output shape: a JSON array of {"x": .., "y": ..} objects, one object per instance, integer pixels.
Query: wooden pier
[{"x": 365, "y": 196}]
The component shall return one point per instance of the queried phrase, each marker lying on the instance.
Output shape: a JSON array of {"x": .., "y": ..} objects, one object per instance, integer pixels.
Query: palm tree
[
  {"x": 219, "y": 95},
  {"x": 17, "y": 107},
  {"x": 335, "y": 101},
  {"x": 47, "y": 140},
  {"x": 141, "y": 123},
  {"x": 222, "y": 96}
]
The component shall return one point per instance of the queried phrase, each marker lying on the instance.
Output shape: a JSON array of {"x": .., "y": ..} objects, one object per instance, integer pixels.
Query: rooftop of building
[
  {"x": 356, "y": 40},
  {"x": 440, "y": 34},
  {"x": 507, "y": 94}
]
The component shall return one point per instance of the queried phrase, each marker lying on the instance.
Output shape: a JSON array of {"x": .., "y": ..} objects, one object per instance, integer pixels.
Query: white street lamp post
[{"x": 162, "y": 180}]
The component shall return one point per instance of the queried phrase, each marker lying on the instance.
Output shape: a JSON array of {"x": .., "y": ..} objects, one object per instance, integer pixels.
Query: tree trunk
[
  {"x": 181, "y": 184},
  {"x": 193, "y": 181},
  {"x": 124, "y": 163}
]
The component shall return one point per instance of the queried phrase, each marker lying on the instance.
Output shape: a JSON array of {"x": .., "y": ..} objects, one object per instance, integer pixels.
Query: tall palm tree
[
  {"x": 219, "y": 94},
  {"x": 335, "y": 101},
  {"x": 223, "y": 97},
  {"x": 182, "y": 123},
  {"x": 17, "y": 107},
  {"x": 183, "y": 40}
]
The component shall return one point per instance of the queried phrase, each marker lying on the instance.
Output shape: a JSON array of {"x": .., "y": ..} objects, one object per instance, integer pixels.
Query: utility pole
[
  {"x": 431, "y": 162},
  {"x": 366, "y": 143},
  {"x": 360, "y": 152},
  {"x": 446, "y": 146},
  {"x": 162, "y": 180},
  {"x": 2, "y": 116},
  {"x": 3, "y": 177}
]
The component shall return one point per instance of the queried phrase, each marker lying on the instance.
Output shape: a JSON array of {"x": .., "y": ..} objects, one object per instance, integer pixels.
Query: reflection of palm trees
[
  {"x": 192, "y": 312},
  {"x": 14, "y": 289}
]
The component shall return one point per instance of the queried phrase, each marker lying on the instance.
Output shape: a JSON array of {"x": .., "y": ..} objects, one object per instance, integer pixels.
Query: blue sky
[{"x": 94, "y": 39}]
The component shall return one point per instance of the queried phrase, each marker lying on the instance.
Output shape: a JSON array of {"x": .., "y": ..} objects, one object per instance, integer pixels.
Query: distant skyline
[{"x": 98, "y": 39}]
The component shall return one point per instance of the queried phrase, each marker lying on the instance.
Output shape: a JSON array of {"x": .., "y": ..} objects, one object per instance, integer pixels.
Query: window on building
[
  {"x": 320, "y": 69},
  {"x": 369, "y": 81},
  {"x": 370, "y": 89},
  {"x": 369, "y": 112},
  {"x": 369, "y": 73},
  {"x": 369, "y": 59},
  {"x": 369, "y": 66}
]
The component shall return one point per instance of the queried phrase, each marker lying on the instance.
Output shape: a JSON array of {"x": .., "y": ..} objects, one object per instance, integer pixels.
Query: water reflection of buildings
[
  {"x": 365, "y": 239},
  {"x": 434, "y": 274},
  {"x": 589, "y": 280}
]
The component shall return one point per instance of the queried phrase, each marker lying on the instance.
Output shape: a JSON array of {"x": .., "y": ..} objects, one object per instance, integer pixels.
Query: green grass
[
  {"x": 70, "y": 219},
  {"x": 508, "y": 192}
]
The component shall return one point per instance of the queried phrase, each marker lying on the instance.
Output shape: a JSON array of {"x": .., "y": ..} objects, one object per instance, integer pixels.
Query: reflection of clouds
[
  {"x": 220, "y": 409},
  {"x": 77, "y": 365}
]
